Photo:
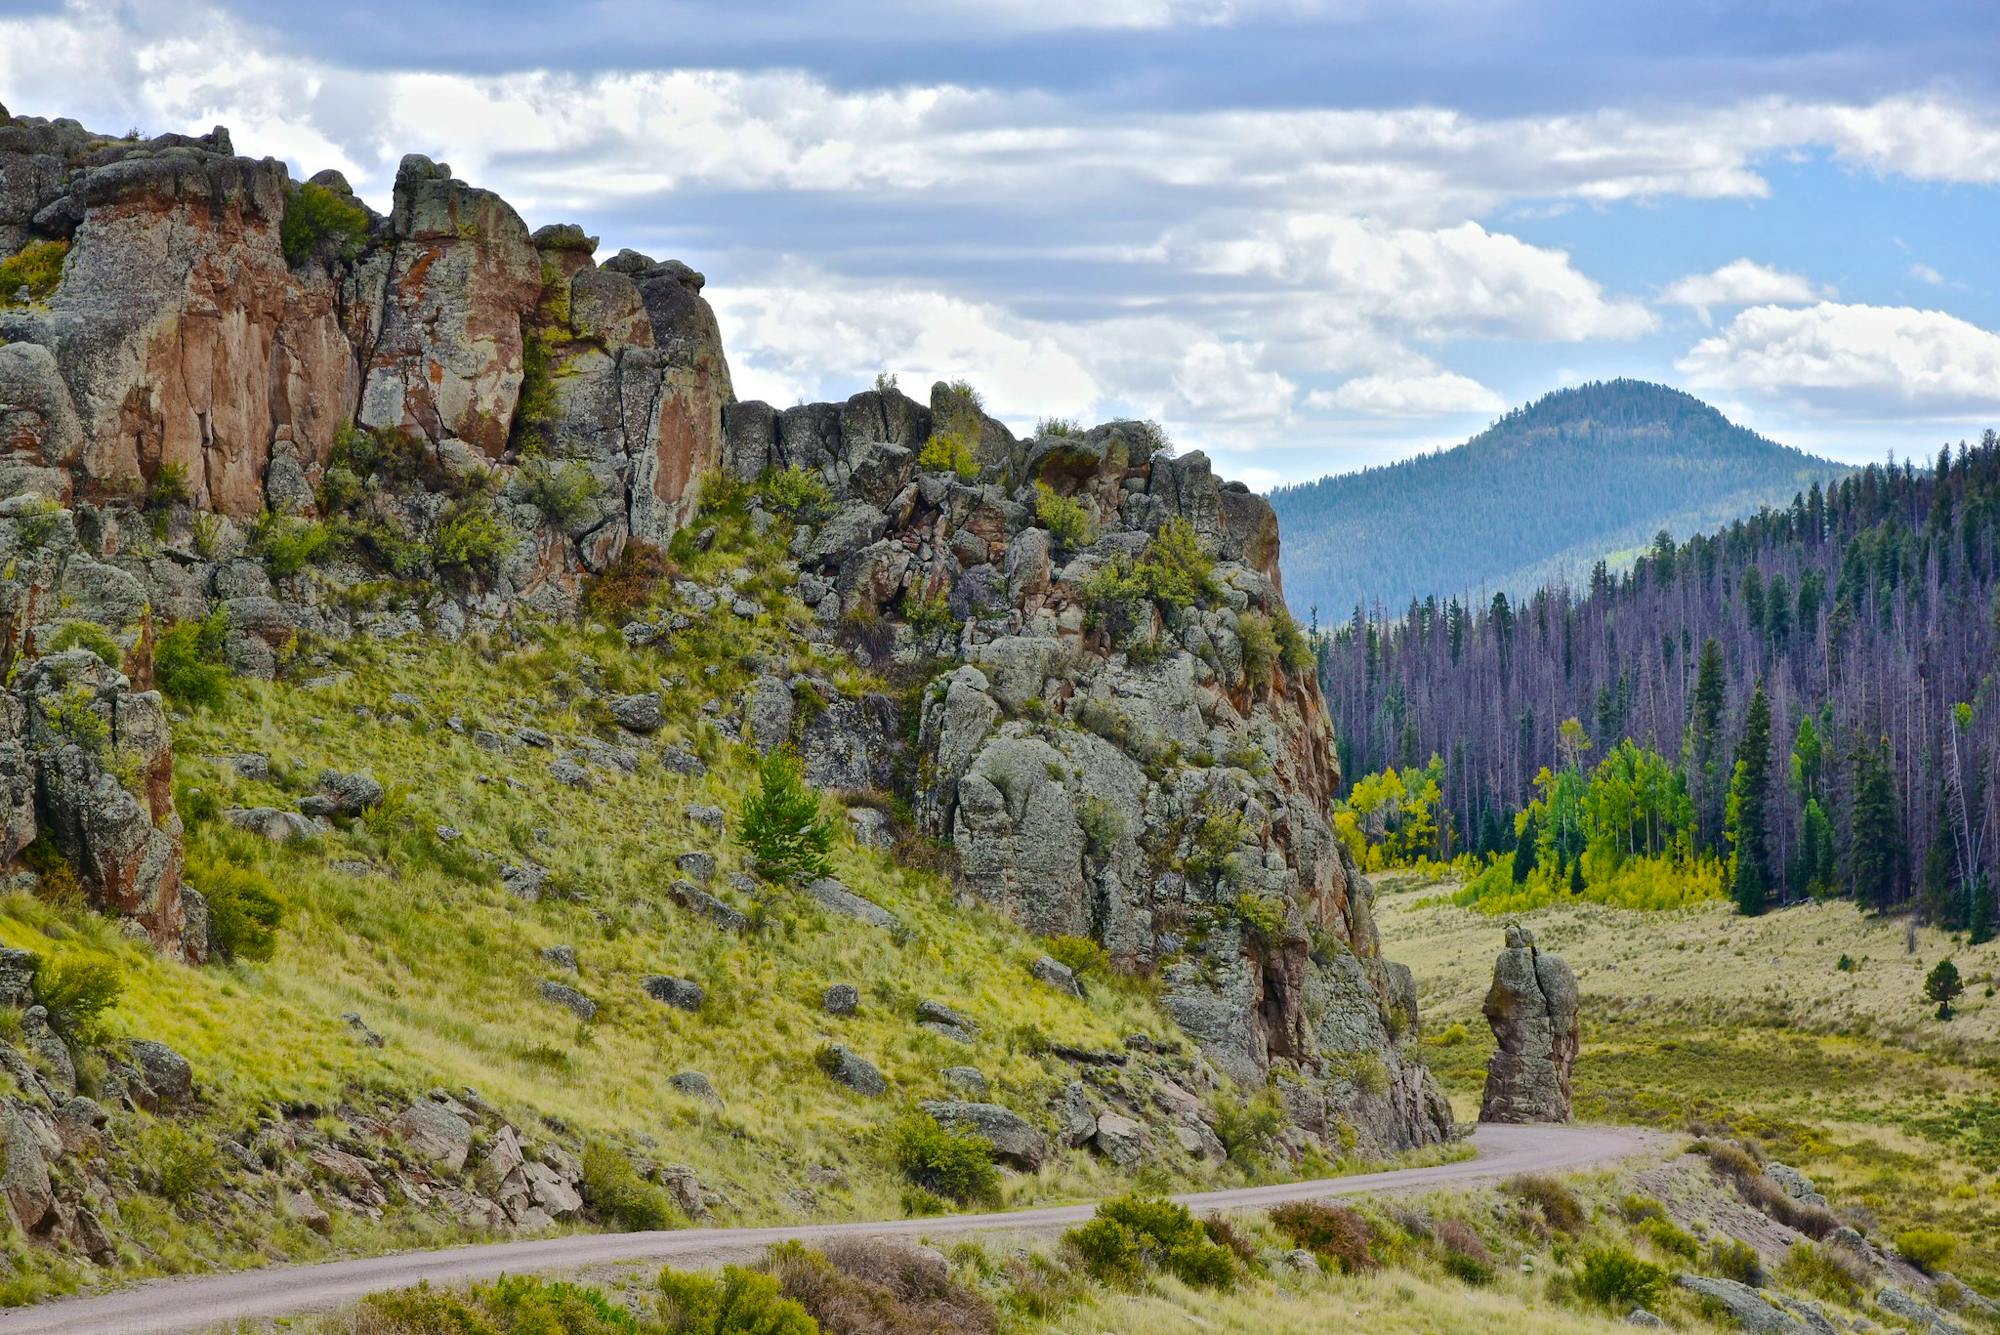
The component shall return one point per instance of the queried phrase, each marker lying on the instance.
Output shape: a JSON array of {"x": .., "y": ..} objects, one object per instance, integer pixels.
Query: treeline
[{"x": 1822, "y": 678}]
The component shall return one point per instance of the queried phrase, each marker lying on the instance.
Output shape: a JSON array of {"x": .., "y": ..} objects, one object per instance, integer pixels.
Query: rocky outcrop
[{"x": 1532, "y": 1008}]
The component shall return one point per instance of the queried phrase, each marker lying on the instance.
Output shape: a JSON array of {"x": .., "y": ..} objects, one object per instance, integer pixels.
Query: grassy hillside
[{"x": 1552, "y": 487}]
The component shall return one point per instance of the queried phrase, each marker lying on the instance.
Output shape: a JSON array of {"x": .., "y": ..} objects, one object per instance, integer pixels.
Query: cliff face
[{"x": 1119, "y": 733}]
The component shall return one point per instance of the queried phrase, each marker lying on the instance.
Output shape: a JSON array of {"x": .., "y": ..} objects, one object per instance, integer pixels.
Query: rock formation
[
  {"x": 1532, "y": 1008},
  {"x": 1119, "y": 729}
]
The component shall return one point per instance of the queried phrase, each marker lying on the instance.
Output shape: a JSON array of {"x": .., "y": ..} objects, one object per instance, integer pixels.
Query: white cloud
[
  {"x": 1430, "y": 393},
  {"x": 1894, "y": 361},
  {"x": 1739, "y": 283},
  {"x": 1461, "y": 281},
  {"x": 1923, "y": 273},
  {"x": 1223, "y": 382},
  {"x": 810, "y": 335}
]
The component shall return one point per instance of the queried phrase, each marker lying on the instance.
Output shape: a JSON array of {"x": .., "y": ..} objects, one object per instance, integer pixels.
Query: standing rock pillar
[{"x": 1532, "y": 1008}]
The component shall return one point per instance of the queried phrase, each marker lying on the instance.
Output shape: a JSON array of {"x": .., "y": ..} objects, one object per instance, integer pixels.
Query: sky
[{"x": 1303, "y": 235}]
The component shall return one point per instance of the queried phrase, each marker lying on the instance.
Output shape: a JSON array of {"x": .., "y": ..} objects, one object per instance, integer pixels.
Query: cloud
[
  {"x": 1923, "y": 273},
  {"x": 1223, "y": 382},
  {"x": 1890, "y": 361},
  {"x": 1431, "y": 393},
  {"x": 1739, "y": 283},
  {"x": 1461, "y": 281},
  {"x": 813, "y": 336}
]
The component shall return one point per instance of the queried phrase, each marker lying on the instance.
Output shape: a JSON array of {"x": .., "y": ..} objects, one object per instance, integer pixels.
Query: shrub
[
  {"x": 1736, "y": 1165},
  {"x": 949, "y": 452},
  {"x": 1260, "y": 644},
  {"x": 737, "y": 1302},
  {"x": 1467, "y": 1269},
  {"x": 1672, "y": 1239},
  {"x": 1458, "y": 1238},
  {"x": 782, "y": 825},
  {"x": 930, "y": 618},
  {"x": 613, "y": 1188},
  {"x": 1081, "y": 955},
  {"x": 39, "y": 518},
  {"x": 626, "y": 587},
  {"x": 1828, "y": 1271},
  {"x": 177, "y": 1163},
  {"x": 1294, "y": 649},
  {"x": 290, "y": 543},
  {"x": 1065, "y": 517},
  {"x": 1334, "y": 1232},
  {"x": 1614, "y": 1278},
  {"x": 1559, "y": 1207},
  {"x": 87, "y": 635},
  {"x": 321, "y": 224},
  {"x": 1055, "y": 426},
  {"x": 1178, "y": 567},
  {"x": 950, "y": 1163},
  {"x": 1247, "y": 1127},
  {"x": 188, "y": 661},
  {"x": 73, "y": 716},
  {"x": 471, "y": 537},
  {"x": 1263, "y": 918},
  {"x": 1222, "y": 1231},
  {"x": 568, "y": 494},
  {"x": 244, "y": 910},
  {"x": 76, "y": 990},
  {"x": 795, "y": 491},
  {"x": 511, "y": 1305},
  {"x": 37, "y": 266},
  {"x": 1736, "y": 1260},
  {"x": 1131, "y": 1232},
  {"x": 1636, "y": 1209},
  {"x": 877, "y": 1285},
  {"x": 1926, "y": 1248}
]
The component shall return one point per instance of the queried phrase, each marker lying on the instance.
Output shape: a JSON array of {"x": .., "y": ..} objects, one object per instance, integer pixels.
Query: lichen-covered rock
[
  {"x": 435, "y": 1134},
  {"x": 846, "y": 1067},
  {"x": 1532, "y": 1008},
  {"x": 1015, "y": 1142}
]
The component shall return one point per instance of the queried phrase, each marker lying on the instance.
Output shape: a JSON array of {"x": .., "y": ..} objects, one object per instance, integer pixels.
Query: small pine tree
[
  {"x": 1943, "y": 985},
  {"x": 782, "y": 824},
  {"x": 1525, "y": 856},
  {"x": 1576, "y": 877},
  {"x": 1749, "y": 795}
]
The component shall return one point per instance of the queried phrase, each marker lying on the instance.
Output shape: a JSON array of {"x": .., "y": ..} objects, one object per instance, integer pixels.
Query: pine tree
[
  {"x": 1705, "y": 730},
  {"x": 1749, "y": 809},
  {"x": 782, "y": 825},
  {"x": 1524, "y": 852},
  {"x": 1875, "y": 861},
  {"x": 1943, "y": 986}
]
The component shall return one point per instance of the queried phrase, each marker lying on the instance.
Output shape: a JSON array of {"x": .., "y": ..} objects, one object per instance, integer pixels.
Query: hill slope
[{"x": 1577, "y": 475}]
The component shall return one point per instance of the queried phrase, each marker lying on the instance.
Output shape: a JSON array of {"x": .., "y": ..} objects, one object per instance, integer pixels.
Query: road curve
[{"x": 182, "y": 1306}]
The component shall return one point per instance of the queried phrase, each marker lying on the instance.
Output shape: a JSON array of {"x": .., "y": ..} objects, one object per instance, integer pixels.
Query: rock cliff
[{"x": 250, "y": 403}]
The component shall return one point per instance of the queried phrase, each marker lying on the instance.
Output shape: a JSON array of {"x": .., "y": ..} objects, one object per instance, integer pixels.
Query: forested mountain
[
  {"x": 1838, "y": 653},
  {"x": 1545, "y": 491}
]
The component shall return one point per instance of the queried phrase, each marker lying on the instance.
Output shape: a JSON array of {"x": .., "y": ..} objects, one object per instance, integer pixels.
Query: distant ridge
[{"x": 1574, "y": 477}]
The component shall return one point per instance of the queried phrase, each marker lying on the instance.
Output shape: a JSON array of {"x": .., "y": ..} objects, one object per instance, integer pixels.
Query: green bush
[
  {"x": 568, "y": 494},
  {"x": 1294, "y": 649},
  {"x": 627, "y": 587},
  {"x": 1331, "y": 1231},
  {"x": 511, "y": 1305},
  {"x": 613, "y": 1189},
  {"x": 1177, "y": 565},
  {"x": 76, "y": 990},
  {"x": 782, "y": 825},
  {"x": 1558, "y": 1205},
  {"x": 321, "y": 224},
  {"x": 88, "y": 635},
  {"x": 471, "y": 538},
  {"x": 1466, "y": 1269},
  {"x": 1131, "y": 1232},
  {"x": 37, "y": 266},
  {"x": 177, "y": 1163},
  {"x": 1081, "y": 955},
  {"x": 188, "y": 661},
  {"x": 1614, "y": 1278},
  {"x": 290, "y": 543},
  {"x": 73, "y": 716},
  {"x": 1260, "y": 644},
  {"x": 1928, "y": 1249},
  {"x": 950, "y": 452},
  {"x": 795, "y": 491},
  {"x": 1826, "y": 1271},
  {"x": 1065, "y": 517},
  {"x": 737, "y": 1302},
  {"x": 1672, "y": 1239},
  {"x": 1735, "y": 1260},
  {"x": 950, "y": 1163},
  {"x": 1056, "y": 426},
  {"x": 244, "y": 910}
]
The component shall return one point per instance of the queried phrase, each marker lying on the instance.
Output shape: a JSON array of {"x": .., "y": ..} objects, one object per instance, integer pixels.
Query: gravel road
[{"x": 185, "y": 1306}]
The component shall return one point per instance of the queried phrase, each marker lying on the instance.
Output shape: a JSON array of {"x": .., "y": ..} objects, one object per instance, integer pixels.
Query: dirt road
[{"x": 182, "y": 1306}]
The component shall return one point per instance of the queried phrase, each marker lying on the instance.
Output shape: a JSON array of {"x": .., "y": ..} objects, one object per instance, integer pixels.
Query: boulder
[
  {"x": 1120, "y": 1139},
  {"x": 834, "y": 897},
  {"x": 300, "y": 1207},
  {"x": 1076, "y": 1122},
  {"x": 680, "y": 993},
  {"x": 968, "y": 1078},
  {"x": 1015, "y": 1142},
  {"x": 1532, "y": 1008},
  {"x": 844, "y": 1066},
  {"x": 767, "y": 713},
  {"x": 17, "y": 976},
  {"x": 280, "y": 827},
  {"x": 562, "y": 994},
  {"x": 1757, "y": 1310},
  {"x": 435, "y": 1134},
  {"x": 694, "y": 1085},
  {"x": 166, "y": 1075},
  {"x": 1056, "y": 975},
  {"x": 24, "y": 1179},
  {"x": 343, "y": 795},
  {"x": 638, "y": 713},
  {"x": 841, "y": 999}
]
